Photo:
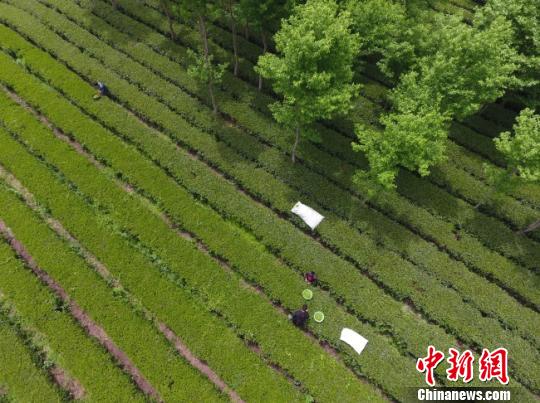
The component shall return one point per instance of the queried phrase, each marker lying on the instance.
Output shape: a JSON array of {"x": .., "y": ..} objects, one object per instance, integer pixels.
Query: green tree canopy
[
  {"x": 313, "y": 69},
  {"x": 384, "y": 31},
  {"x": 379, "y": 24},
  {"x": 265, "y": 16},
  {"x": 522, "y": 150},
  {"x": 524, "y": 15},
  {"x": 414, "y": 135},
  {"x": 454, "y": 75},
  {"x": 465, "y": 66}
]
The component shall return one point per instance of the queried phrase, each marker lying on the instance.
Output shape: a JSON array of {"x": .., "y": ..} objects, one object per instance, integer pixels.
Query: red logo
[
  {"x": 461, "y": 366},
  {"x": 494, "y": 365},
  {"x": 429, "y": 363},
  {"x": 491, "y": 365}
]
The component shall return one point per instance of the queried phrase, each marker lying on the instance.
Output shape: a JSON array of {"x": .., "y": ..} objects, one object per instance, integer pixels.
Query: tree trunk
[
  {"x": 296, "y": 139},
  {"x": 234, "y": 39},
  {"x": 263, "y": 37},
  {"x": 211, "y": 91},
  {"x": 246, "y": 31},
  {"x": 170, "y": 21},
  {"x": 113, "y": 2},
  {"x": 204, "y": 38},
  {"x": 531, "y": 227}
]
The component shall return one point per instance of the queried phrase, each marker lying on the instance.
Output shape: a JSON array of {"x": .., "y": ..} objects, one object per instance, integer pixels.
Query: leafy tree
[
  {"x": 204, "y": 69},
  {"x": 265, "y": 16},
  {"x": 454, "y": 74},
  {"x": 384, "y": 31},
  {"x": 169, "y": 8},
  {"x": 524, "y": 15},
  {"x": 413, "y": 135},
  {"x": 522, "y": 151},
  {"x": 313, "y": 71},
  {"x": 379, "y": 24},
  {"x": 463, "y": 69}
]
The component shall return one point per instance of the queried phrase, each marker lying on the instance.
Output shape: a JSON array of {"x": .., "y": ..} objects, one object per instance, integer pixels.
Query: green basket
[
  {"x": 318, "y": 316},
  {"x": 307, "y": 294}
]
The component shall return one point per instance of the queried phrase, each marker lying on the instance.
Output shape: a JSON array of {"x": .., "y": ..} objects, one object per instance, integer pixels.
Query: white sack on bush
[
  {"x": 306, "y": 213},
  {"x": 353, "y": 339}
]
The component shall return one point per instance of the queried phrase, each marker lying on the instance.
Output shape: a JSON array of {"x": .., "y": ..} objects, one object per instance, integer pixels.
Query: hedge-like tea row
[
  {"x": 251, "y": 53},
  {"x": 236, "y": 362},
  {"x": 149, "y": 37},
  {"x": 20, "y": 379},
  {"x": 217, "y": 289},
  {"x": 364, "y": 259},
  {"x": 72, "y": 349},
  {"x": 88, "y": 97},
  {"x": 485, "y": 226},
  {"x": 338, "y": 197},
  {"x": 506, "y": 272},
  {"x": 475, "y": 191},
  {"x": 526, "y": 193},
  {"x": 498, "y": 114},
  {"x": 165, "y": 68},
  {"x": 125, "y": 158},
  {"x": 289, "y": 282},
  {"x": 93, "y": 134},
  {"x": 123, "y": 324},
  {"x": 286, "y": 285},
  {"x": 470, "y": 140},
  {"x": 377, "y": 311}
]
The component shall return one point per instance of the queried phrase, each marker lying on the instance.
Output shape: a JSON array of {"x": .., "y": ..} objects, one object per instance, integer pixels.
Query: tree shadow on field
[{"x": 105, "y": 21}]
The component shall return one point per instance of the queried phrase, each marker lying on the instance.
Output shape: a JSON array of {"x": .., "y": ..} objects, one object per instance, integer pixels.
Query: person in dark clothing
[
  {"x": 103, "y": 91},
  {"x": 310, "y": 278},
  {"x": 300, "y": 317}
]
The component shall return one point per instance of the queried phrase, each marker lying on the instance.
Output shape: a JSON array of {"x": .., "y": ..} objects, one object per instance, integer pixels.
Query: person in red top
[{"x": 310, "y": 278}]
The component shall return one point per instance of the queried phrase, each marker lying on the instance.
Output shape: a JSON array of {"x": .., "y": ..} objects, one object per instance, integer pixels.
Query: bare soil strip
[
  {"x": 103, "y": 271},
  {"x": 100, "y": 268},
  {"x": 92, "y": 328},
  {"x": 74, "y": 389}
]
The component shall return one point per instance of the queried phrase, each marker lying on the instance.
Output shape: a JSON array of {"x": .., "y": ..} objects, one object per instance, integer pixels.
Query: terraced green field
[{"x": 148, "y": 251}]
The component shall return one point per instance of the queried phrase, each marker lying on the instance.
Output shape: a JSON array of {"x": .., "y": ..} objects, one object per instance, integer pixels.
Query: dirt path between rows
[
  {"x": 207, "y": 371},
  {"x": 100, "y": 268},
  {"x": 182, "y": 349},
  {"x": 92, "y": 328}
]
